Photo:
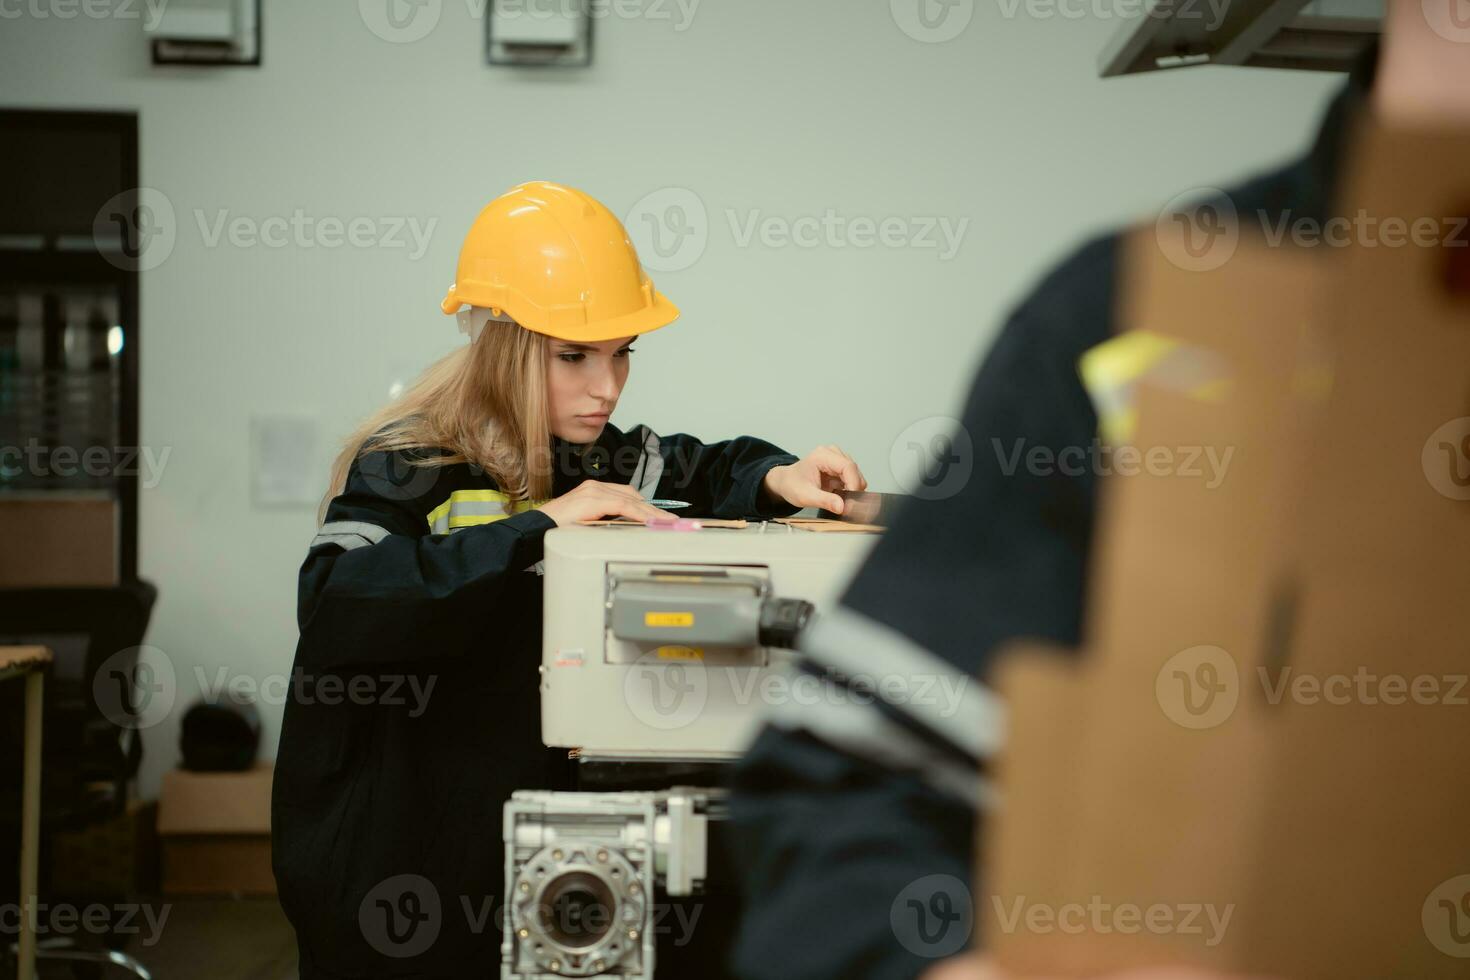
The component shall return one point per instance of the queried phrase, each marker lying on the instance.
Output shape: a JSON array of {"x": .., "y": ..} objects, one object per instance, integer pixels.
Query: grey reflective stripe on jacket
[
  {"x": 348, "y": 535},
  {"x": 859, "y": 663},
  {"x": 935, "y": 693},
  {"x": 650, "y": 468},
  {"x": 447, "y": 519},
  {"x": 847, "y": 719}
]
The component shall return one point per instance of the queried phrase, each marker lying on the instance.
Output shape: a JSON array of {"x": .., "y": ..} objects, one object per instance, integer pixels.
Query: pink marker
[{"x": 673, "y": 523}]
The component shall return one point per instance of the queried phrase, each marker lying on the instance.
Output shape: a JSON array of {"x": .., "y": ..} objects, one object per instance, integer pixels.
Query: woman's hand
[
  {"x": 593, "y": 500},
  {"x": 970, "y": 966},
  {"x": 974, "y": 966},
  {"x": 809, "y": 482}
]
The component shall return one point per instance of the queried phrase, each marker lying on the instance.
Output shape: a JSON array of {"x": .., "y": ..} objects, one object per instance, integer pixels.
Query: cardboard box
[
  {"x": 58, "y": 540},
  {"x": 119, "y": 857},
  {"x": 215, "y": 832},
  {"x": 1226, "y": 778}
]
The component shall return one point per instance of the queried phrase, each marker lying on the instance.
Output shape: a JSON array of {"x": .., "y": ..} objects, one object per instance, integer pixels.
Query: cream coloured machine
[
  {"x": 660, "y": 650},
  {"x": 656, "y": 642}
]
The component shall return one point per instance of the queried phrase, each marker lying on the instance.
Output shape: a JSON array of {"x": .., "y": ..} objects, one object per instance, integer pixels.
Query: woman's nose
[{"x": 605, "y": 384}]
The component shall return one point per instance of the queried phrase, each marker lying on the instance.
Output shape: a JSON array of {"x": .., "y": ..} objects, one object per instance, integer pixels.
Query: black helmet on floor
[{"x": 220, "y": 737}]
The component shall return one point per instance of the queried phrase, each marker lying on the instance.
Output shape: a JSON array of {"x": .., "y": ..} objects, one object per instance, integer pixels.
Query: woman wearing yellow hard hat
[{"x": 414, "y": 708}]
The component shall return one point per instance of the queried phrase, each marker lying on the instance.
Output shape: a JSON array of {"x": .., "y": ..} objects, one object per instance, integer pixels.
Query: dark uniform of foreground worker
[
  {"x": 847, "y": 811},
  {"x": 414, "y": 709}
]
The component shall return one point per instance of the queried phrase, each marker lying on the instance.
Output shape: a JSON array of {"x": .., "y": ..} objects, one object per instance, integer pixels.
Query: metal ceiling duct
[{"x": 1323, "y": 35}]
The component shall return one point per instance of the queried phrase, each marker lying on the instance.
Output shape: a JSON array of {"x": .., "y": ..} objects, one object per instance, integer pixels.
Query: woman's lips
[{"x": 601, "y": 417}]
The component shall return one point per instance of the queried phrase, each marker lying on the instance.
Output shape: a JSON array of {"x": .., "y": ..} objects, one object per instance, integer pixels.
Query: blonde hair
[{"x": 484, "y": 404}]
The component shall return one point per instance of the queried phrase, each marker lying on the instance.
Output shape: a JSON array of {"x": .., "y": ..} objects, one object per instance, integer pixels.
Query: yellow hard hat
[{"x": 558, "y": 262}]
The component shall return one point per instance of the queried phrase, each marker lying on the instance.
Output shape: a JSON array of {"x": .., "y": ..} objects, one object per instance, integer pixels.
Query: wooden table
[{"x": 30, "y": 663}]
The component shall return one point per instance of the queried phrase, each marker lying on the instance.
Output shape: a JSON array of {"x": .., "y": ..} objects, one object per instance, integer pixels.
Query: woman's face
[{"x": 583, "y": 382}]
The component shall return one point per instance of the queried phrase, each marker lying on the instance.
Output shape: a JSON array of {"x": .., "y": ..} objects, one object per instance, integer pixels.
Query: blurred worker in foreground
[{"x": 843, "y": 809}]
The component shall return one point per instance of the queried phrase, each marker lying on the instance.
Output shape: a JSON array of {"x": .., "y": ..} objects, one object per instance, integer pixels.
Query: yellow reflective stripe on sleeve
[
  {"x": 457, "y": 521},
  {"x": 1111, "y": 371},
  {"x": 478, "y": 496},
  {"x": 468, "y": 508},
  {"x": 438, "y": 518}
]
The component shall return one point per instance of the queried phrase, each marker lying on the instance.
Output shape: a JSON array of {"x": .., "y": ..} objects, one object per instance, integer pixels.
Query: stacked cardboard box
[
  {"x": 58, "y": 540},
  {"x": 1258, "y": 762},
  {"x": 215, "y": 829},
  {"x": 116, "y": 857}
]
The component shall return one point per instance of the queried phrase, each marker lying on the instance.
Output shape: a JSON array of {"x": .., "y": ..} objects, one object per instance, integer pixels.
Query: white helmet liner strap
[{"x": 472, "y": 320}]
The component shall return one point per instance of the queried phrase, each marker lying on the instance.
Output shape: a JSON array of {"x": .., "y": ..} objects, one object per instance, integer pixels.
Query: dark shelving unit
[{"x": 67, "y": 375}]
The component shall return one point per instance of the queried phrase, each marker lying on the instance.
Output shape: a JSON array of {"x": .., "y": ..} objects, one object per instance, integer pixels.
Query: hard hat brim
[
  {"x": 660, "y": 314},
  {"x": 655, "y": 317}
]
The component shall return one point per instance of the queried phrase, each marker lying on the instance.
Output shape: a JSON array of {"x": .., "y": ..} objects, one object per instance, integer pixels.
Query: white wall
[{"x": 785, "y": 106}]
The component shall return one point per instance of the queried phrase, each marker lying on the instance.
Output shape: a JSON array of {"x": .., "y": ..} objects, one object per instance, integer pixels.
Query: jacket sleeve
[
  {"x": 854, "y": 812},
  {"x": 376, "y": 587},
  {"x": 718, "y": 479}
]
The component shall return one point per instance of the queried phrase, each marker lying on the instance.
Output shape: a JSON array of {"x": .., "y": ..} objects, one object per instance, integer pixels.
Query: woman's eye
[
  {"x": 624, "y": 352},
  {"x": 571, "y": 358}
]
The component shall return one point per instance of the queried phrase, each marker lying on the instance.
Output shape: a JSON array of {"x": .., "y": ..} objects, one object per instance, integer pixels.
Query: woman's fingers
[
  {"x": 629, "y": 503},
  {"x": 593, "y": 500},
  {"x": 816, "y": 495},
  {"x": 970, "y": 966},
  {"x": 811, "y": 483},
  {"x": 843, "y": 466}
]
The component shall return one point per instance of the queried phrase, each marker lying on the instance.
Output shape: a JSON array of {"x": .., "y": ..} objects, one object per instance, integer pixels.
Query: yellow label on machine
[
  {"x": 668, "y": 619},
  {"x": 680, "y": 653}
]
